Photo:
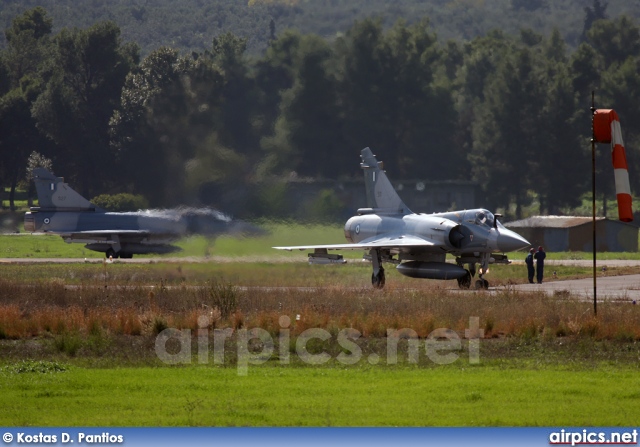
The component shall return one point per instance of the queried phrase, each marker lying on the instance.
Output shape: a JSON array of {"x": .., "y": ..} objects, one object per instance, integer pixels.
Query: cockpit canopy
[{"x": 483, "y": 217}]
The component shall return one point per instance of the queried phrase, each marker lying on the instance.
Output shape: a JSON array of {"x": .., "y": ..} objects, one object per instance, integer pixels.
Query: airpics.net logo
[
  {"x": 257, "y": 346},
  {"x": 592, "y": 437}
]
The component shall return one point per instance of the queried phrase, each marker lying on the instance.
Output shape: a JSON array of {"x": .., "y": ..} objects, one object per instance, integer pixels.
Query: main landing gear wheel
[
  {"x": 465, "y": 281},
  {"x": 111, "y": 253},
  {"x": 482, "y": 284},
  {"x": 378, "y": 280}
]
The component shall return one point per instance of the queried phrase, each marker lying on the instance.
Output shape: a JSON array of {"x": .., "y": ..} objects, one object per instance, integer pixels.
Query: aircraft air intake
[{"x": 456, "y": 236}]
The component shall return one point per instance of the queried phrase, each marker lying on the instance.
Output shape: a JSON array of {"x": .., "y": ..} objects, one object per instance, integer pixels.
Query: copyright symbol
[{"x": 7, "y": 437}]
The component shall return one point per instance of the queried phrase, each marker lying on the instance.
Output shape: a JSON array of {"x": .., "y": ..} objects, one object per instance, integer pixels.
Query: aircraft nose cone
[{"x": 511, "y": 241}]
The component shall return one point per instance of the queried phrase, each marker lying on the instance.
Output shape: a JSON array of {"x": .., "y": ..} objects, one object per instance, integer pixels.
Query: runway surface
[{"x": 618, "y": 288}]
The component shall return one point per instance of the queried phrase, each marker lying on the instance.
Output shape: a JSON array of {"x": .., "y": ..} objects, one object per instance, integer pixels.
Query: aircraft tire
[
  {"x": 482, "y": 284},
  {"x": 377, "y": 281},
  {"x": 111, "y": 253},
  {"x": 465, "y": 281}
]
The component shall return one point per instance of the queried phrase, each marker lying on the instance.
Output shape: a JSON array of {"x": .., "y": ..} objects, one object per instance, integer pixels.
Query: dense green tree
[
  {"x": 510, "y": 110},
  {"x": 453, "y": 59},
  {"x": 274, "y": 74},
  {"x": 162, "y": 115},
  {"x": 186, "y": 120},
  {"x": 308, "y": 136},
  {"x": 366, "y": 82},
  {"x": 34, "y": 22},
  {"x": 238, "y": 100},
  {"x": 391, "y": 100},
  {"x": 507, "y": 137},
  {"x": 188, "y": 25},
  {"x": 555, "y": 49},
  {"x": 17, "y": 137},
  {"x": 83, "y": 82},
  {"x": 591, "y": 14},
  {"x": 615, "y": 40},
  {"x": 561, "y": 170},
  {"x": 27, "y": 43},
  {"x": 481, "y": 58},
  {"x": 20, "y": 84},
  {"x": 529, "y": 5}
]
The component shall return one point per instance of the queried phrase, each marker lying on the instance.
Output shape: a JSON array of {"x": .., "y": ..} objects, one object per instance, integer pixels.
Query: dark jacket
[{"x": 529, "y": 260}]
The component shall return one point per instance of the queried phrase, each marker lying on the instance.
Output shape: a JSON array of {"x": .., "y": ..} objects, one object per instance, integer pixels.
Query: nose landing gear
[{"x": 481, "y": 283}]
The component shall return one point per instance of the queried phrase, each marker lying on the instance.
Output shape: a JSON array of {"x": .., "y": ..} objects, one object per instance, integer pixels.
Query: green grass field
[
  {"x": 486, "y": 395},
  {"x": 260, "y": 273},
  {"x": 278, "y": 234}
]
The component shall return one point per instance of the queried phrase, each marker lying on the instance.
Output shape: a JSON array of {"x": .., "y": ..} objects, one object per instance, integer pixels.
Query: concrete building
[{"x": 570, "y": 233}]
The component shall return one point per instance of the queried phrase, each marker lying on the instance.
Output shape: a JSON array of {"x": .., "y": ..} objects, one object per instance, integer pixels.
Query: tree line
[
  {"x": 509, "y": 111},
  {"x": 189, "y": 25}
]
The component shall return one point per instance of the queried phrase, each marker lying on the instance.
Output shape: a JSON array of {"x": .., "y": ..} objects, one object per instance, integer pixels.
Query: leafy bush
[
  {"x": 159, "y": 325},
  {"x": 68, "y": 343},
  {"x": 224, "y": 296},
  {"x": 121, "y": 202},
  {"x": 326, "y": 207},
  {"x": 35, "y": 366}
]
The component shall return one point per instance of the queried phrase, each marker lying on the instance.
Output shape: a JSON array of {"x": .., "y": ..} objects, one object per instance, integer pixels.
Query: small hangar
[{"x": 574, "y": 233}]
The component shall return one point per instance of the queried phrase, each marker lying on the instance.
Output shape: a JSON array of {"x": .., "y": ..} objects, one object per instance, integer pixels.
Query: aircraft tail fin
[
  {"x": 55, "y": 194},
  {"x": 381, "y": 195}
]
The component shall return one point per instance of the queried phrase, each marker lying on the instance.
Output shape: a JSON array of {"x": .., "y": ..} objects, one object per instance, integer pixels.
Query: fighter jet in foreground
[
  {"x": 418, "y": 243},
  {"x": 64, "y": 212}
]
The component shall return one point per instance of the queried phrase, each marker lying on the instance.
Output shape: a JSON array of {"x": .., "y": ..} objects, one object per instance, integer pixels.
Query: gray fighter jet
[
  {"x": 64, "y": 212},
  {"x": 418, "y": 243}
]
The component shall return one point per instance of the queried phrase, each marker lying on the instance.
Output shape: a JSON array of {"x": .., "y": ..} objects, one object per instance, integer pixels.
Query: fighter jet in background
[
  {"x": 418, "y": 243},
  {"x": 64, "y": 212}
]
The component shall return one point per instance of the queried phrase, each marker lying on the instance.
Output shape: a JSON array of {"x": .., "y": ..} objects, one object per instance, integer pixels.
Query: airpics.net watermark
[{"x": 441, "y": 346}]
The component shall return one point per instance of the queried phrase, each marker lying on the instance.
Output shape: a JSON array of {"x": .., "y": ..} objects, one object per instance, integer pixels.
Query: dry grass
[{"x": 54, "y": 309}]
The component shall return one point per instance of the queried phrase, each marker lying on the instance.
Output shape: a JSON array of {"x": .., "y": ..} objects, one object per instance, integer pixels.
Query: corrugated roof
[{"x": 551, "y": 222}]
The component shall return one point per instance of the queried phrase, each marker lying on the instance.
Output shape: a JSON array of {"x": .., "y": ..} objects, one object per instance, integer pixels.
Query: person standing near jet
[
  {"x": 530, "y": 269},
  {"x": 539, "y": 256}
]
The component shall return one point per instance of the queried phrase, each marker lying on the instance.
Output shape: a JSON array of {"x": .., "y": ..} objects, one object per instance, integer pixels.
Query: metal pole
[{"x": 593, "y": 200}]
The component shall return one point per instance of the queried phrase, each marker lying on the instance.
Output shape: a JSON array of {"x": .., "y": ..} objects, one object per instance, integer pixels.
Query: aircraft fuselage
[
  {"x": 457, "y": 232},
  {"x": 69, "y": 222}
]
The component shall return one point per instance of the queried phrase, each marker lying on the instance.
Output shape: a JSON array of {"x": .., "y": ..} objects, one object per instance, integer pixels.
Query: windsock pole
[
  {"x": 593, "y": 200},
  {"x": 605, "y": 128}
]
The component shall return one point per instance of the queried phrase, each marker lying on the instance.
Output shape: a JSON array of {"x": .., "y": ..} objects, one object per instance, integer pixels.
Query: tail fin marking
[
  {"x": 54, "y": 194},
  {"x": 381, "y": 195}
]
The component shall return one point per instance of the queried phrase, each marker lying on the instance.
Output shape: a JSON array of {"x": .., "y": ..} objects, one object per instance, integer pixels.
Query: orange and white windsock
[{"x": 606, "y": 129}]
